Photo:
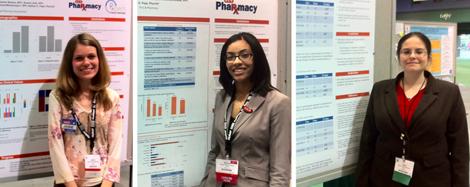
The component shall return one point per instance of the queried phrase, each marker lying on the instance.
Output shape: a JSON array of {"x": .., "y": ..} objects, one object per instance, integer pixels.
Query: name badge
[
  {"x": 403, "y": 171},
  {"x": 69, "y": 125},
  {"x": 226, "y": 171},
  {"x": 92, "y": 166}
]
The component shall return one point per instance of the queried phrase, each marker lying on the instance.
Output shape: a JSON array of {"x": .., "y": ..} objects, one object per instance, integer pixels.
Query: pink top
[{"x": 68, "y": 150}]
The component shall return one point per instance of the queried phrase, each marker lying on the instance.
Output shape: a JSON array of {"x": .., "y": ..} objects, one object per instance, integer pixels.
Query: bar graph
[
  {"x": 8, "y": 110},
  {"x": 10, "y": 105},
  {"x": 43, "y": 106},
  {"x": 171, "y": 111},
  {"x": 156, "y": 154},
  {"x": 175, "y": 107},
  {"x": 167, "y": 155},
  {"x": 9, "y": 98},
  {"x": 48, "y": 43},
  {"x": 152, "y": 109},
  {"x": 20, "y": 41}
]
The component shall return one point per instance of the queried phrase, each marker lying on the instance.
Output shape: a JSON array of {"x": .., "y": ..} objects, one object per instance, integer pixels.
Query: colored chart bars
[
  {"x": 43, "y": 96},
  {"x": 154, "y": 109},
  {"x": 9, "y": 104}
]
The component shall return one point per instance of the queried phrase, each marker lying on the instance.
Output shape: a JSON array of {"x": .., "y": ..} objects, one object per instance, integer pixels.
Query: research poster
[
  {"x": 443, "y": 41},
  {"x": 179, "y": 44},
  {"x": 35, "y": 33},
  {"x": 334, "y": 76}
]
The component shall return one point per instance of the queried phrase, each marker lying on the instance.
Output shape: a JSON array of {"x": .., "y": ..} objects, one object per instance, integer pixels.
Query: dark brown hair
[{"x": 421, "y": 36}]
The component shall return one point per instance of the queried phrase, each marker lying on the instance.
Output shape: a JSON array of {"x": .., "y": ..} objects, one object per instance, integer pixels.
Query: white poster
[
  {"x": 35, "y": 34},
  {"x": 179, "y": 44},
  {"x": 443, "y": 42},
  {"x": 334, "y": 63}
]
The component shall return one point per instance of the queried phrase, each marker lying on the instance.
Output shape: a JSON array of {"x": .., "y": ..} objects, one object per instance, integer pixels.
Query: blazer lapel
[
  {"x": 254, "y": 104},
  {"x": 392, "y": 106},
  {"x": 225, "y": 106},
  {"x": 428, "y": 99}
]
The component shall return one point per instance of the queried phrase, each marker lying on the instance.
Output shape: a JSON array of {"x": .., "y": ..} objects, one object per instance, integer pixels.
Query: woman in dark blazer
[
  {"x": 260, "y": 140},
  {"x": 418, "y": 118}
]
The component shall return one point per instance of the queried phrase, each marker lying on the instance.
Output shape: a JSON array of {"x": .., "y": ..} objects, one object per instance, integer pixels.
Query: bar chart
[
  {"x": 156, "y": 156},
  {"x": 21, "y": 49},
  {"x": 48, "y": 43},
  {"x": 175, "y": 107},
  {"x": 10, "y": 105},
  {"x": 8, "y": 101},
  {"x": 170, "y": 156},
  {"x": 21, "y": 40}
]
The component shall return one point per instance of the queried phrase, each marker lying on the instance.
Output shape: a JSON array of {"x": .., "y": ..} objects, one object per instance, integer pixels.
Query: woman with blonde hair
[{"x": 85, "y": 120}]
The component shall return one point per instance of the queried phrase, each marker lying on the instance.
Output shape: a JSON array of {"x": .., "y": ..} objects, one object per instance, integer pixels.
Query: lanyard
[
  {"x": 403, "y": 137},
  {"x": 92, "y": 134},
  {"x": 228, "y": 130}
]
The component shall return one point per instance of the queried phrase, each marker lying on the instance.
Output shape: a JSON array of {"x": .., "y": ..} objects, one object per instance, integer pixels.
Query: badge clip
[{"x": 247, "y": 110}]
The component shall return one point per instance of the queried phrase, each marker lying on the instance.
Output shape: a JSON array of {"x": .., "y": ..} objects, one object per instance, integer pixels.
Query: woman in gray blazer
[
  {"x": 251, "y": 136},
  {"x": 415, "y": 130}
]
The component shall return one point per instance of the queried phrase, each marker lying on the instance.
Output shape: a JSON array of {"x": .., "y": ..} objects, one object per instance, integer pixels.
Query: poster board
[
  {"x": 35, "y": 33},
  {"x": 333, "y": 74},
  {"x": 443, "y": 38},
  {"x": 178, "y": 57}
]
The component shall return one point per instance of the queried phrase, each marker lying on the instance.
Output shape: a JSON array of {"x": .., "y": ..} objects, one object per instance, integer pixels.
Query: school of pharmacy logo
[
  {"x": 81, "y": 5},
  {"x": 229, "y": 5},
  {"x": 113, "y": 8}
]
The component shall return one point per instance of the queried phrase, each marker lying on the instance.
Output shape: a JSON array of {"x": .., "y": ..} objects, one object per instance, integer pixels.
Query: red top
[{"x": 406, "y": 106}]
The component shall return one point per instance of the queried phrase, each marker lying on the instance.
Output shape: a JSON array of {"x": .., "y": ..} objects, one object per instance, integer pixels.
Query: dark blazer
[
  {"x": 437, "y": 138},
  {"x": 262, "y": 141}
]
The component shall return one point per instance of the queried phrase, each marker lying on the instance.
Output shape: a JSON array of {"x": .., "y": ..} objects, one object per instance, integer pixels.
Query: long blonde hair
[{"x": 67, "y": 86}]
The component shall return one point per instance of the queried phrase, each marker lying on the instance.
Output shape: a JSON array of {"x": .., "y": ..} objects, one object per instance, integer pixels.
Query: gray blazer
[{"x": 261, "y": 144}]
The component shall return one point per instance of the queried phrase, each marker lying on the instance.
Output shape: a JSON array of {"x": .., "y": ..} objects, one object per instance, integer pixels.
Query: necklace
[
  {"x": 421, "y": 87},
  {"x": 408, "y": 109}
]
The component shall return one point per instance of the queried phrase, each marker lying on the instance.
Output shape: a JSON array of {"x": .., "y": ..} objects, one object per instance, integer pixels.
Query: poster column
[
  {"x": 172, "y": 100},
  {"x": 36, "y": 33},
  {"x": 179, "y": 45},
  {"x": 334, "y": 61}
]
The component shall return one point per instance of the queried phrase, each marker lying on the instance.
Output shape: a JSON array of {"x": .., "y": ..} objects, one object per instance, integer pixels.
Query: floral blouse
[{"x": 68, "y": 149}]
